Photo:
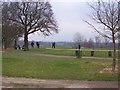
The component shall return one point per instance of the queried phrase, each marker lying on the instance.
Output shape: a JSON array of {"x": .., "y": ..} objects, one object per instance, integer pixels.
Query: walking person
[
  {"x": 37, "y": 44},
  {"x": 53, "y": 45},
  {"x": 79, "y": 46},
  {"x": 32, "y": 44}
]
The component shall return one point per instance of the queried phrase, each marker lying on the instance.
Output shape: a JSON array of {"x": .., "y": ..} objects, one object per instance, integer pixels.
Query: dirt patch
[{"x": 109, "y": 70}]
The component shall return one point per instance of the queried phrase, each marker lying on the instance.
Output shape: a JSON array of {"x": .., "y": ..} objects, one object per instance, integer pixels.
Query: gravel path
[{"x": 10, "y": 82}]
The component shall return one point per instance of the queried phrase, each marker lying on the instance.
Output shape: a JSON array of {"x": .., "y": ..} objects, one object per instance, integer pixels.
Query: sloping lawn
[{"x": 25, "y": 64}]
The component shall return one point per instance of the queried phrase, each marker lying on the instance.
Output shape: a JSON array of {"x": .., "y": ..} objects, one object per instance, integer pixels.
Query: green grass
[
  {"x": 57, "y": 46},
  {"x": 53, "y": 51},
  {"x": 70, "y": 52},
  {"x": 24, "y": 64}
]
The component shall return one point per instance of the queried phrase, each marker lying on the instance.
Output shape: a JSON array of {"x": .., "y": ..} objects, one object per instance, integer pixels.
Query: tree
[
  {"x": 78, "y": 39},
  {"x": 85, "y": 43},
  {"x": 91, "y": 43},
  {"x": 97, "y": 41},
  {"x": 10, "y": 31},
  {"x": 106, "y": 41},
  {"x": 106, "y": 15},
  {"x": 33, "y": 16}
]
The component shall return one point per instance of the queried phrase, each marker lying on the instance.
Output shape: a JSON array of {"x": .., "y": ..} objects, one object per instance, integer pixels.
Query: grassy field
[
  {"x": 25, "y": 64},
  {"x": 71, "y": 52}
]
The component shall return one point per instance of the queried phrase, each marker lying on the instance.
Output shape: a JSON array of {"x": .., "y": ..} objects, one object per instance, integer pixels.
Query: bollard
[
  {"x": 109, "y": 54},
  {"x": 77, "y": 53},
  {"x": 92, "y": 53}
]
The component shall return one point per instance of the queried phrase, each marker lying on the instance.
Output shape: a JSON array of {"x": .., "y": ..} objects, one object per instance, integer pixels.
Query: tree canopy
[{"x": 33, "y": 17}]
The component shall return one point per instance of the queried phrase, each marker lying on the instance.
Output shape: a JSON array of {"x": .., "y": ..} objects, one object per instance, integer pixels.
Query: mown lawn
[
  {"x": 71, "y": 52},
  {"x": 25, "y": 64}
]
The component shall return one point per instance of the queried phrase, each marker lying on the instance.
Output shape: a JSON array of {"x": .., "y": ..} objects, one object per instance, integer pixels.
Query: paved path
[{"x": 44, "y": 83}]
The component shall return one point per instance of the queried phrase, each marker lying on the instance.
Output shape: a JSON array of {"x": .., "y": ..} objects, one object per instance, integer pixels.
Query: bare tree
[
  {"x": 85, "y": 43},
  {"x": 78, "y": 39},
  {"x": 106, "y": 15},
  {"x": 33, "y": 16},
  {"x": 97, "y": 41},
  {"x": 106, "y": 41},
  {"x": 91, "y": 43},
  {"x": 10, "y": 30}
]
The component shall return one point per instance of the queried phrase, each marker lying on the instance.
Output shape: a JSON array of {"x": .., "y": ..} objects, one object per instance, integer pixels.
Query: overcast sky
[{"x": 69, "y": 16}]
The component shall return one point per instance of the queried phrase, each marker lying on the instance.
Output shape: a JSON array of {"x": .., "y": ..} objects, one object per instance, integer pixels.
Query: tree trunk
[
  {"x": 15, "y": 44},
  {"x": 114, "y": 55},
  {"x": 26, "y": 42},
  {"x": 5, "y": 44}
]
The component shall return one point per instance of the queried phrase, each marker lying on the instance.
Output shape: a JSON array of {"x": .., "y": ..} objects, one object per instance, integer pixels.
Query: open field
[
  {"x": 26, "y": 64},
  {"x": 71, "y": 52}
]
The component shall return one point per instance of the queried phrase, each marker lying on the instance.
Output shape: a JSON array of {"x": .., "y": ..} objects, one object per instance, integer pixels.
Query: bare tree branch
[{"x": 106, "y": 14}]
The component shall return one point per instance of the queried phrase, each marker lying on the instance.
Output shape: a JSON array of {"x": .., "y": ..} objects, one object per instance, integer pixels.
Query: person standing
[
  {"x": 53, "y": 45},
  {"x": 32, "y": 44},
  {"x": 37, "y": 44},
  {"x": 79, "y": 46}
]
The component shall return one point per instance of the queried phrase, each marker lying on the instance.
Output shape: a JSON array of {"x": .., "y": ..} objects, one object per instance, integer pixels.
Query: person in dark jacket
[
  {"x": 37, "y": 44},
  {"x": 32, "y": 44},
  {"x": 79, "y": 46},
  {"x": 53, "y": 45}
]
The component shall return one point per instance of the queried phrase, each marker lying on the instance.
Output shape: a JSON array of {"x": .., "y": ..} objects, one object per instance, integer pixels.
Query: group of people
[
  {"x": 37, "y": 44},
  {"x": 33, "y": 45},
  {"x": 22, "y": 47}
]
